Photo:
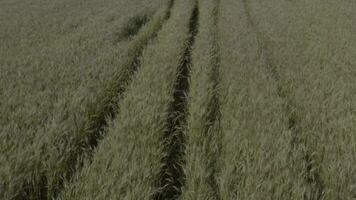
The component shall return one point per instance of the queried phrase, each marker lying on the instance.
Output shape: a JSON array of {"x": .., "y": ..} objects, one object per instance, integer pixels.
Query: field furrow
[
  {"x": 202, "y": 134},
  {"x": 177, "y": 99},
  {"x": 255, "y": 160},
  {"x": 60, "y": 154},
  {"x": 105, "y": 106},
  {"x": 127, "y": 163},
  {"x": 172, "y": 174},
  {"x": 132, "y": 27},
  {"x": 265, "y": 49},
  {"x": 319, "y": 76}
]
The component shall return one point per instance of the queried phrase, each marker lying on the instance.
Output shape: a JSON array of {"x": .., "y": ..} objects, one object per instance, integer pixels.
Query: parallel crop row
[
  {"x": 314, "y": 55},
  {"x": 36, "y": 165},
  {"x": 202, "y": 135},
  {"x": 314, "y": 186},
  {"x": 177, "y": 99},
  {"x": 172, "y": 174},
  {"x": 255, "y": 161},
  {"x": 106, "y": 104},
  {"x": 127, "y": 163}
]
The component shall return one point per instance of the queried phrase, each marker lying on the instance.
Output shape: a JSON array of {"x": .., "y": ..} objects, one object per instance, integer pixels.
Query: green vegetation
[
  {"x": 255, "y": 160},
  {"x": 320, "y": 81},
  {"x": 42, "y": 151},
  {"x": 202, "y": 136},
  {"x": 118, "y": 172},
  {"x": 170, "y": 99}
]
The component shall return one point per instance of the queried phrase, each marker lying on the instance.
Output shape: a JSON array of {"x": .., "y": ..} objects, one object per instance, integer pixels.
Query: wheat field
[{"x": 177, "y": 99}]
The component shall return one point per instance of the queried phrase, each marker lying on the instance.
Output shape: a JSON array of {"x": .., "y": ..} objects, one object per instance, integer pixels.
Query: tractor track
[
  {"x": 172, "y": 176},
  {"x": 98, "y": 114},
  {"x": 132, "y": 27},
  {"x": 265, "y": 44}
]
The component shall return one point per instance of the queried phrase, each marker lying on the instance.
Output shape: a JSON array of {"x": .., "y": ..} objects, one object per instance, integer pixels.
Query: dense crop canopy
[{"x": 177, "y": 99}]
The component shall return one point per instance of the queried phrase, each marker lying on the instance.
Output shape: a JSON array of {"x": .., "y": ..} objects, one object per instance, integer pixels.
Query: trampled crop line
[
  {"x": 135, "y": 23},
  {"x": 172, "y": 175},
  {"x": 113, "y": 94},
  {"x": 132, "y": 27},
  {"x": 266, "y": 48},
  {"x": 214, "y": 115},
  {"x": 98, "y": 113}
]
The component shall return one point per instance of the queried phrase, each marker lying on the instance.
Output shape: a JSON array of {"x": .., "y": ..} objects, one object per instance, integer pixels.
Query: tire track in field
[
  {"x": 172, "y": 175},
  {"x": 115, "y": 90},
  {"x": 214, "y": 114},
  {"x": 132, "y": 27},
  {"x": 265, "y": 44},
  {"x": 118, "y": 87},
  {"x": 135, "y": 23},
  {"x": 98, "y": 114}
]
